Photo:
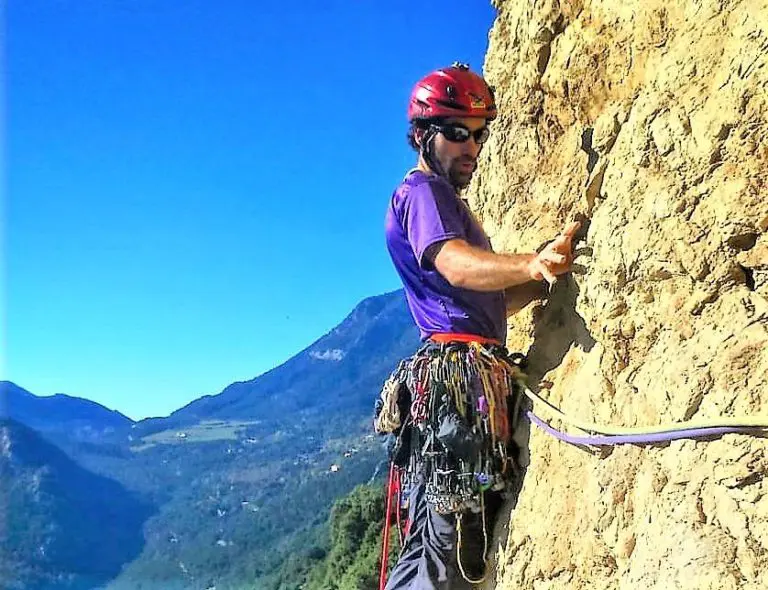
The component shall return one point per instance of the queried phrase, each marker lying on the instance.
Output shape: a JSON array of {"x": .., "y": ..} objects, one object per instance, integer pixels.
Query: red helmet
[{"x": 452, "y": 92}]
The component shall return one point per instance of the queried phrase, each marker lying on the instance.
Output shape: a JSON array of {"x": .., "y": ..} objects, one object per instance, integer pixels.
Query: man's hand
[{"x": 556, "y": 258}]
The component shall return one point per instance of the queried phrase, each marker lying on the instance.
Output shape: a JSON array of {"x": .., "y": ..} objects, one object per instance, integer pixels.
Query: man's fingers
[
  {"x": 548, "y": 275},
  {"x": 542, "y": 270},
  {"x": 536, "y": 274},
  {"x": 553, "y": 257},
  {"x": 562, "y": 241},
  {"x": 539, "y": 269},
  {"x": 558, "y": 242},
  {"x": 561, "y": 247},
  {"x": 571, "y": 229}
]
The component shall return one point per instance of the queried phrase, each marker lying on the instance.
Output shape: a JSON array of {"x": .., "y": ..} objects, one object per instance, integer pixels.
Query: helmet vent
[{"x": 451, "y": 105}]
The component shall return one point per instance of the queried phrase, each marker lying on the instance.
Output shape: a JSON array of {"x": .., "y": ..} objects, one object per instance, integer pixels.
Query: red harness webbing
[{"x": 445, "y": 337}]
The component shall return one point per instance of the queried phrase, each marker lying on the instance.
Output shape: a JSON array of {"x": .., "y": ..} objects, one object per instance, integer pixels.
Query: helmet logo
[{"x": 476, "y": 101}]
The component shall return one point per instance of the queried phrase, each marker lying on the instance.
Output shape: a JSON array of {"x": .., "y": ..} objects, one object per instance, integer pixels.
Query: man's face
[{"x": 459, "y": 159}]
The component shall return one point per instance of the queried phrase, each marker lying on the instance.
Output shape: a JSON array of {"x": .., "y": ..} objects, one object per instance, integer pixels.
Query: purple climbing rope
[{"x": 637, "y": 439}]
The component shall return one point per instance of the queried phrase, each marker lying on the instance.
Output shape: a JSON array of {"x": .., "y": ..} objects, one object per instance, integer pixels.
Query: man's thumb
[{"x": 571, "y": 229}]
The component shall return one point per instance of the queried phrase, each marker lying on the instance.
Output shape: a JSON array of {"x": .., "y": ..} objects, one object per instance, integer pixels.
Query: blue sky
[{"x": 195, "y": 191}]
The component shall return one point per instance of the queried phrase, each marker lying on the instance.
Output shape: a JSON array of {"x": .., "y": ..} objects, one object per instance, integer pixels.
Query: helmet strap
[{"x": 428, "y": 152}]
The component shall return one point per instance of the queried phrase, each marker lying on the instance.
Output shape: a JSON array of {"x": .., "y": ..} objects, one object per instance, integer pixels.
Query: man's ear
[{"x": 418, "y": 135}]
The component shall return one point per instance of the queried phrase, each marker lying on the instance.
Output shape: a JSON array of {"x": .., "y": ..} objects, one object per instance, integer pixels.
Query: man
[{"x": 463, "y": 406}]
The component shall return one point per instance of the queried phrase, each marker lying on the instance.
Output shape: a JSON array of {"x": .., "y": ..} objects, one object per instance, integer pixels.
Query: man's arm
[
  {"x": 469, "y": 267},
  {"x": 519, "y": 296}
]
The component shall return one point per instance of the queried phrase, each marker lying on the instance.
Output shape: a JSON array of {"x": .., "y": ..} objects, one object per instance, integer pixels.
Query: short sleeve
[{"x": 431, "y": 215}]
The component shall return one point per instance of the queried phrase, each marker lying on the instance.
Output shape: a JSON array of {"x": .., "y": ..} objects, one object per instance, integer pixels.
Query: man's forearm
[
  {"x": 473, "y": 268},
  {"x": 517, "y": 297}
]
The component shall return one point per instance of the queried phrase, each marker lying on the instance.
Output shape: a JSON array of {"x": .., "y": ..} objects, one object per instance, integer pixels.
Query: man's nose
[{"x": 472, "y": 147}]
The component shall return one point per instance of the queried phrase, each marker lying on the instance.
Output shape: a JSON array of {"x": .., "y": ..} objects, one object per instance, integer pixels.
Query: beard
[{"x": 458, "y": 176}]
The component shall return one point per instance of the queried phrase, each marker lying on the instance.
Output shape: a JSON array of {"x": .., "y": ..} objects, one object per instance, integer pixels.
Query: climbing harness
[
  {"x": 462, "y": 393},
  {"x": 455, "y": 405}
]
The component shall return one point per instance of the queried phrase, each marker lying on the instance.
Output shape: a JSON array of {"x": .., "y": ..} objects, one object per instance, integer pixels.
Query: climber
[{"x": 463, "y": 406}]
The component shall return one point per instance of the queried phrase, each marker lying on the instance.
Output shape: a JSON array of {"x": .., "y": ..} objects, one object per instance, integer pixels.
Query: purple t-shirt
[{"x": 424, "y": 210}]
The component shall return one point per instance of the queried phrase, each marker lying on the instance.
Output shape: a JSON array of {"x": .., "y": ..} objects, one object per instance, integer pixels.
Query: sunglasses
[{"x": 459, "y": 133}]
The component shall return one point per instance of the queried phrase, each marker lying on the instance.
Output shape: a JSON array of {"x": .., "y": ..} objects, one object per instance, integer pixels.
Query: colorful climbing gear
[{"x": 465, "y": 395}]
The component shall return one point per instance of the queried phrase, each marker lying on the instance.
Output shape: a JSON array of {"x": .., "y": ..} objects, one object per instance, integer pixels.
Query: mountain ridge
[
  {"x": 63, "y": 526},
  {"x": 60, "y": 414}
]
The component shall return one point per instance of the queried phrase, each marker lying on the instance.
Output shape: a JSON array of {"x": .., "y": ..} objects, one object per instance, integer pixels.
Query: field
[{"x": 206, "y": 431}]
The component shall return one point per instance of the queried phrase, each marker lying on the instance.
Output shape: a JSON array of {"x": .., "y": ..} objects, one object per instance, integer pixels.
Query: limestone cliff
[{"x": 649, "y": 119}]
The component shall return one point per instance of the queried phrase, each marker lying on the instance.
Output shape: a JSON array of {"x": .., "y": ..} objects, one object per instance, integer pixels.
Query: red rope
[
  {"x": 398, "y": 509},
  {"x": 385, "y": 540}
]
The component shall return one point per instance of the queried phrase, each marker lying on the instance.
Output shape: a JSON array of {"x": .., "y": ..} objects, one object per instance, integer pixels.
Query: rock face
[{"x": 649, "y": 121}]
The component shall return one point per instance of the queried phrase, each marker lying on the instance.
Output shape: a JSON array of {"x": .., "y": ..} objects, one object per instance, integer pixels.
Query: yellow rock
[{"x": 668, "y": 317}]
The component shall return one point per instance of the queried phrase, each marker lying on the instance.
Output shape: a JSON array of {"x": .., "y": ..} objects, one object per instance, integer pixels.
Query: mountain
[
  {"x": 60, "y": 415},
  {"x": 61, "y": 527},
  {"x": 339, "y": 373},
  {"x": 245, "y": 479}
]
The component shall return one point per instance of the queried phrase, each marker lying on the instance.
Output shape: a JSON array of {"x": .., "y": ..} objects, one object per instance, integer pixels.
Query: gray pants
[{"x": 428, "y": 560}]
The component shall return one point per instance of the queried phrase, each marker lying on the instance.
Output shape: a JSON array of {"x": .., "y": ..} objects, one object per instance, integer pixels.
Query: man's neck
[{"x": 422, "y": 165}]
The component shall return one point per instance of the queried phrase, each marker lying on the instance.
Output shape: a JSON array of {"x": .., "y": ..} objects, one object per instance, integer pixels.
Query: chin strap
[{"x": 428, "y": 152}]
